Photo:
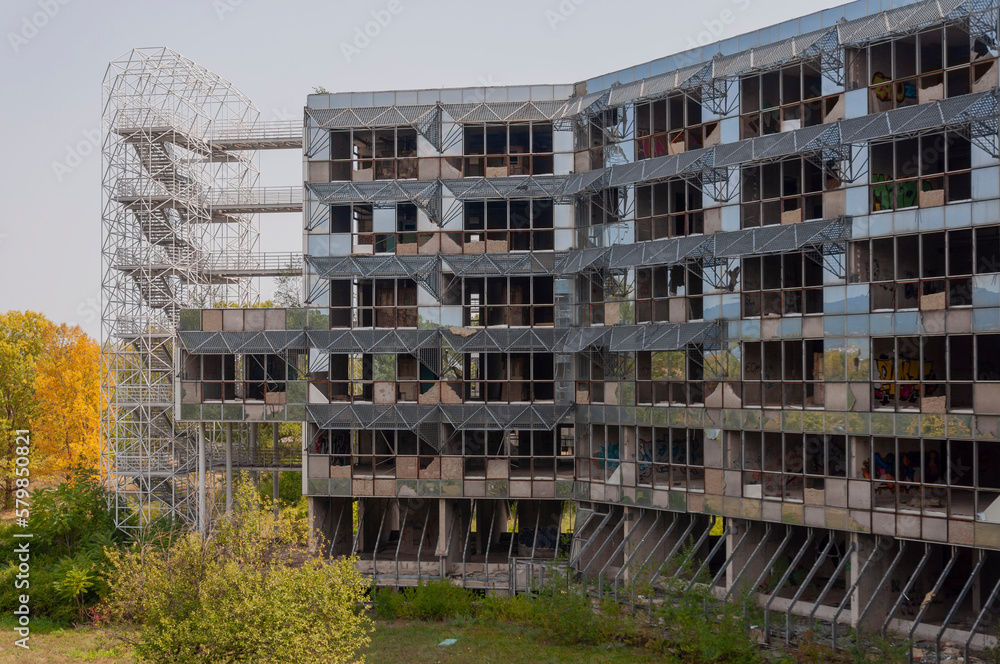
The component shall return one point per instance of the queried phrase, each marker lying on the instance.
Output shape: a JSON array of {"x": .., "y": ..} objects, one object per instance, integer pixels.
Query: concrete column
[
  {"x": 745, "y": 561},
  {"x": 229, "y": 467},
  {"x": 491, "y": 521},
  {"x": 202, "y": 509},
  {"x": 869, "y": 585}
]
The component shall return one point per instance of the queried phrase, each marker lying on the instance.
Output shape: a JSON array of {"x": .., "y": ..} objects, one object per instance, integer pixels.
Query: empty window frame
[
  {"x": 502, "y": 150},
  {"x": 926, "y": 171},
  {"x": 783, "y": 284},
  {"x": 507, "y": 301},
  {"x": 784, "y": 192},
  {"x": 508, "y": 377},
  {"x": 931, "y": 373},
  {"x": 377, "y": 452},
  {"x": 382, "y": 378},
  {"x": 923, "y": 68},
  {"x": 672, "y": 125},
  {"x": 664, "y": 457},
  {"x": 609, "y": 377},
  {"x": 385, "y": 303},
  {"x": 382, "y": 231},
  {"x": 783, "y": 374},
  {"x": 239, "y": 378},
  {"x": 931, "y": 477},
  {"x": 358, "y": 220},
  {"x": 669, "y": 294},
  {"x": 927, "y": 271},
  {"x": 670, "y": 377},
  {"x": 780, "y": 466},
  {"x": 499, "y": 226},
  {"x": 334, "y": 442},
  {"x": 671, "y": 208},
  {"x": 785, "y": 100},
  {"x": 387, "y": 153}
]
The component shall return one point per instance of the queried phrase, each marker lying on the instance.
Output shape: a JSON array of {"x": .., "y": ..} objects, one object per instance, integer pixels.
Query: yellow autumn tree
[
  {"x": 23, "y": 339},
  {"x": 66, "y": 430}
]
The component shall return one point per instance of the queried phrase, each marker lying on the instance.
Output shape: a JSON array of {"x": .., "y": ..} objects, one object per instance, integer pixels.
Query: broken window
[
  {"x": 671, "y": 126},
  {"x": 385, "y": 303},
  {"x": 920, "y": 172},
  {"x": 670, "y": 208},
  {"x": 928, "y": 271},
  {"x": 784, "y": 284},
  {"x": 668, "y": 294},
  {"x": 785, "y": 192},
  {"x": 785, "y": 100},
  {"x": 499, "y": 226},
  {"x": 508, "y": 301},
  {"x": 502, "y": 150},
  {"x": 382, "y": 154},
  {"x": 920, "y": 69}
]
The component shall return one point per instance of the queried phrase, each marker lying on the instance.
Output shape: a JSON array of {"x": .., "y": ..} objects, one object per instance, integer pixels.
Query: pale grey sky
[{"x": 55, "y": 52}]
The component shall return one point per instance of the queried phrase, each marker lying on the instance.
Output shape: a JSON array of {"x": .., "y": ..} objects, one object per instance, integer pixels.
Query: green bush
[
  {"x": 387, "y": 604},
  {"x": 250, "y": 592},
  {"x": 71, "y": 528},
  {"x": 434, "y": 600},
  {"x": 705, "y": 630},
  {"x": 437, "y": 600}
]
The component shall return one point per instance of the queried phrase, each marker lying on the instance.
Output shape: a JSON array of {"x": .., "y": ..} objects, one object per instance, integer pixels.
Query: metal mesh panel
[
  {"x": 273, "y": 341},
  {"x": 769, "y": 56}
]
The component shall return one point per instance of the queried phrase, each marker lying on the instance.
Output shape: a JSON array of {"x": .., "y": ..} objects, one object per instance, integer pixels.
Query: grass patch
[
  {"x": 416, "y": 643},
  {"x": 52, "y": 644}
]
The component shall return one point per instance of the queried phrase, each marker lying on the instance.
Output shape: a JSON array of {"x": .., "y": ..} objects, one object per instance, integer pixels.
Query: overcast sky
[{"x": 55, "y": 53}]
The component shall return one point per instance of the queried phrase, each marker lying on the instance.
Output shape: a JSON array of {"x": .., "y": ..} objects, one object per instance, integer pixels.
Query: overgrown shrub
[
  {"x": 433, "y": 600},
  {"x": 71, "y": 529},
  {"x": 251, "y": 591}
]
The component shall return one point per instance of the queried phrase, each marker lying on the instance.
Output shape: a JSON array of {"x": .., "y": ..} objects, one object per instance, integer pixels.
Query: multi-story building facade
[{"x": 738, "y": 305}]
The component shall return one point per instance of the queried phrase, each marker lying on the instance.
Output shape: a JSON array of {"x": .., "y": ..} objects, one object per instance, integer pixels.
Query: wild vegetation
[
  {"x": 50, "y": 379},
  {"x": 251, "y": 591}
]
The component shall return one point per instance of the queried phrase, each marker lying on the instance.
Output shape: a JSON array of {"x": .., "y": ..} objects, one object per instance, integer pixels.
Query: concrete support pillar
[
  {"x": 603, "y": 543},
  {"x": 452, "y": 523},
  {"x": 870, "y": 585},
  {"x": 202, "y": 503},
  {"x": 229, "y": 467},
  {"x": 642, "y": 530},
  {"x": 491, "y": 520},
  {"x": 751, "y": 559}
]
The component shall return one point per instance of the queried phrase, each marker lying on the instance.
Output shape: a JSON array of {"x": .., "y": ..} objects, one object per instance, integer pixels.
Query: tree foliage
[
  {"x": 251, "y": 591},
  {"x": 71, "y": 528},
  {"x": 50, "y": 383},
  {"x": 67, "y": 428},
  {"x": 23, "y": 339}
]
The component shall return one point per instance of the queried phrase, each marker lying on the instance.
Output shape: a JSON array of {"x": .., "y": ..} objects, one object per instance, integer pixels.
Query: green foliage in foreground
[
  {"x": 71, "y": 529},
  {"x": 251, "y": 591},
  {"x": 690, "y": 626}
]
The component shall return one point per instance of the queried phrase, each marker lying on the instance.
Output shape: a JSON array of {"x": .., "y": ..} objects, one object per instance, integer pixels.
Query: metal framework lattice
[{"x": 162, "y": 237}]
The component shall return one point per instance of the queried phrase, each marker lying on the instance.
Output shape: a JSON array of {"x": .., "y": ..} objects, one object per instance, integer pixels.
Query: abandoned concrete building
[{"x": 744, "y": 297}]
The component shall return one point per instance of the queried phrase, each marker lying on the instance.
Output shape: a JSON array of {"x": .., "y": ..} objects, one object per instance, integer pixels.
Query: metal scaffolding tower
[{"x": 179, "y": 195}]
